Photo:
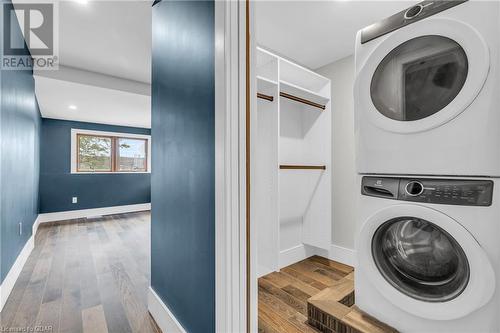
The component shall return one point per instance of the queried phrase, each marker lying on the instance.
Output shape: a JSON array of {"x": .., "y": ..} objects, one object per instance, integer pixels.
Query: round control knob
[
  {"x": 414, "y": 188},
  {"x": 413, "y": 12}
]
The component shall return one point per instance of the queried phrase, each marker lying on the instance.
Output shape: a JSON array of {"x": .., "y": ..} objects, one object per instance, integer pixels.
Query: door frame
[{"x": 232, "y": 309}]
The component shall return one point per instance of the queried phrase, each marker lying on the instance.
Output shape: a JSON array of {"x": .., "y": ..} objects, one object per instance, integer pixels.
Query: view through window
[
  {"x": 100, "y": 153},
  {"x": 131, "y": 154}
]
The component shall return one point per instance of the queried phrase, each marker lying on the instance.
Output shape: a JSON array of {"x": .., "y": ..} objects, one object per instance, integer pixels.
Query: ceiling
[
  {"x": 316, "y": 33},
  {"x": 107, "y": 37},
  {"x": 93, "y": 104},
  {"x": 105, "y": 64},
  {"x": 113, "y": 39}
]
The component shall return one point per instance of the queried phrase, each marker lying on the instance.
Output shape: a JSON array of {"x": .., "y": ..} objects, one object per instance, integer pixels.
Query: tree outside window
[
  {"x": 94, "y": 153},
  {"x": 111, "y": 154}
]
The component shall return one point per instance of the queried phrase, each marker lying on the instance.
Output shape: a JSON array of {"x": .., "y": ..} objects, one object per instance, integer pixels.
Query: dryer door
[
  {"x": 425, "y": 262},
  {"x": 422, "y": 75}
]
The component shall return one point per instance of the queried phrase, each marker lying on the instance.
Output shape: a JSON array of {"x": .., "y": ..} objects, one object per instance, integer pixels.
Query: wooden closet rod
[
  {"x": 266, "y": 97},
  {"x": 303, "y": 167},
  {"x": 302, "y": 100}
]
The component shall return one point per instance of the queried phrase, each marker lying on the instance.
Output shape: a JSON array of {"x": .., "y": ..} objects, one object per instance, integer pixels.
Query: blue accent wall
[
  {"x": 19, "y": 160},
  {"x": 58, "y": 185},
  {"x": 183, "y": 178}
]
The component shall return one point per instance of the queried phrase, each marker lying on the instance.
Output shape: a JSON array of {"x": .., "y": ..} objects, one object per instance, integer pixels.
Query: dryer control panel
[
  {"x": 408, "y": 16},
  {"x": 464, "y": 192}
]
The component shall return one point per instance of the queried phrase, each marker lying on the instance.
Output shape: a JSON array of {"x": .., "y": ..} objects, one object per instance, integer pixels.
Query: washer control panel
[
  {"x": 430, "y": 190},
  {"x": 414, "y": 188},
  {"x": 408, "y": 16}
]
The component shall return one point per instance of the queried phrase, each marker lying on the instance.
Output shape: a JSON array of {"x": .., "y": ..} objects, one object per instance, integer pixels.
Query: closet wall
[
  {"x": 344, "y": 194},
  {"x": 292, "y": 178}
]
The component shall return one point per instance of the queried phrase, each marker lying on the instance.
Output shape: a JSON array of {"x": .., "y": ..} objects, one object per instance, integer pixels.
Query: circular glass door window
[
  {"x": 419, "y": 78},
  {"x": 420, "y": 259}
]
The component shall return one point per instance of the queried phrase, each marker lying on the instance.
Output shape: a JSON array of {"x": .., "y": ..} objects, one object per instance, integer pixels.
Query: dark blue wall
[
  {"x": 58, "y": 185},
  {"x": 19, "y": 161},
  {"x": 183, "y": 212}
]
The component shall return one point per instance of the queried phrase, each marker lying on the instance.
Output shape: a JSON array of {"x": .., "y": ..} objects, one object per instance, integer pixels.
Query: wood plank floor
[
  {"x": 283, "y": 295},
  {"x": 86, "y": 276}
]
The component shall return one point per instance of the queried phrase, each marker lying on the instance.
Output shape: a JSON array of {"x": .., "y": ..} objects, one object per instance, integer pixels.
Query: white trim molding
[
  {"x": 93, "y": 212},
  {"x": 75, "y": 131},
  {"x": 36, "y": 224},
  {"x": 293, "y": 255},
  {"x": 164, "y": 318},
  {"x": 342, "y": 255},
  {"x": 300, "y": 252},
  {"x": 230, "y": 221},
  {"x": 14, "y": 272}
]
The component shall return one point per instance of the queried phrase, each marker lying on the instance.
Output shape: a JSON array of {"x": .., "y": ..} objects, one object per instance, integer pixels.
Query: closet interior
[{"x": 293, "y": 173}]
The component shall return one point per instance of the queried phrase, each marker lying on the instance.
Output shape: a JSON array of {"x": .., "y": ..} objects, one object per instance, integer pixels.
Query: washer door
[
  {"x": 425, "y": 262},
  {"x": 422, "y": 76}
]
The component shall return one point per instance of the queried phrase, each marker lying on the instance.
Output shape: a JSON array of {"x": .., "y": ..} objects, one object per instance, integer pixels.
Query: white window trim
[{"x": 76, "y": 131}]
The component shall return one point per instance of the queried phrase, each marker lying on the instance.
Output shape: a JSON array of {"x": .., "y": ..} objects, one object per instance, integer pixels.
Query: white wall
[{"x": 344, "y": 187}]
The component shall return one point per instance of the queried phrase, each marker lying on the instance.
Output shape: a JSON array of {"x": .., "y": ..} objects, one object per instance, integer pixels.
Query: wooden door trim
[{"x": 247, "y": 164}]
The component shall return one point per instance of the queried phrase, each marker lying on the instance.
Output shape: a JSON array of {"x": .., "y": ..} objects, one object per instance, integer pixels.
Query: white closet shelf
[
  {"x": 264, "y": 57},
  {"x": 266, "y": 88},
  {"x": 296, "y": 74},
  {"x": 265, "y": 85},
  {"x": 289, "y": 89}
]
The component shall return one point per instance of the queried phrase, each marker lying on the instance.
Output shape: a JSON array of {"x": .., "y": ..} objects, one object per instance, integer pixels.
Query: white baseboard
[
  {"x": 162, "y": 315},
  {"x": 81, "y": 213},
  {"x": 292, "y": 255},
  {"x": 36, "y": 224},
  {"x": 301, "y": 252},
  {"x": 296, "y": 254},
  {"x": 11, "y": 278},
  {"x": 342, "y": 255}
]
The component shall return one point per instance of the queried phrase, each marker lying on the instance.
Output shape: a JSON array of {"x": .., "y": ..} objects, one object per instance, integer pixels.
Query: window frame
[
  {"x": 78, "y": 136},
  {"x": 116, "y": 155},
  {"x": 114, "y": 136}
]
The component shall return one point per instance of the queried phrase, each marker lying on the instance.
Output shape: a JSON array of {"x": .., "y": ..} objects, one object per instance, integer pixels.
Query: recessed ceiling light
[
  {"x": 72, "y": 107},
  {"x": 82, "y": 2}
]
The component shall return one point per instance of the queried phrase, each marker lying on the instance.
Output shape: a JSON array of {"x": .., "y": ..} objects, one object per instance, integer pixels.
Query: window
[
  {"x": 131, "y": 154},
  {"x": 94, "y": 151}
]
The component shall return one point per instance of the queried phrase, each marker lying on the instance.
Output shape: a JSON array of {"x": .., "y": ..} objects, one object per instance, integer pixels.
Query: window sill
[{"x": 107, "y": 172}]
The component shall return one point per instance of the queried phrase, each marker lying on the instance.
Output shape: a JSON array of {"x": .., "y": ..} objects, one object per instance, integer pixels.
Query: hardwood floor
[
  {"x": 283, "y": 295},
  {"x": 86, "y": 276}
]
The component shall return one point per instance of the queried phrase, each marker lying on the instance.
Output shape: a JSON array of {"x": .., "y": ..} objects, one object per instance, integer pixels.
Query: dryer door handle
[{"x": 378, "y": 192}]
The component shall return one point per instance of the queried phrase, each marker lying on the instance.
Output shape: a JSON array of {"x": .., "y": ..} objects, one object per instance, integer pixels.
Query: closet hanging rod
[
  {"x": 266, "y": 97},
  {"x": 302, "y": 100},
  {"x": 303, "y": 167}
]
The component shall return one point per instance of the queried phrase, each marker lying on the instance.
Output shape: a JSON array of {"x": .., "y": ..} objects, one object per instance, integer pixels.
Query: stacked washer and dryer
[{"x": 427, "y": 110}]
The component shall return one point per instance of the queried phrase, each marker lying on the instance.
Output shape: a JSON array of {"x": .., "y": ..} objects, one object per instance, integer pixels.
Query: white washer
[
  {"x": 429, "y": 253},
  {"x": 427, "y": 91}
]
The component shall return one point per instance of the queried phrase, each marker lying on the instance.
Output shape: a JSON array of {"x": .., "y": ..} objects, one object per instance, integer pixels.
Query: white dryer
[
  {"x": 429, "y": 253},
  {"x": 427, "y": 91}
]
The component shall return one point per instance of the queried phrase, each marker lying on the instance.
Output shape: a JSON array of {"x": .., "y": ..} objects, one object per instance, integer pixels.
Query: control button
[
  {"x": 414, "y": 188},
  {"x": 413, "y": 12}
]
